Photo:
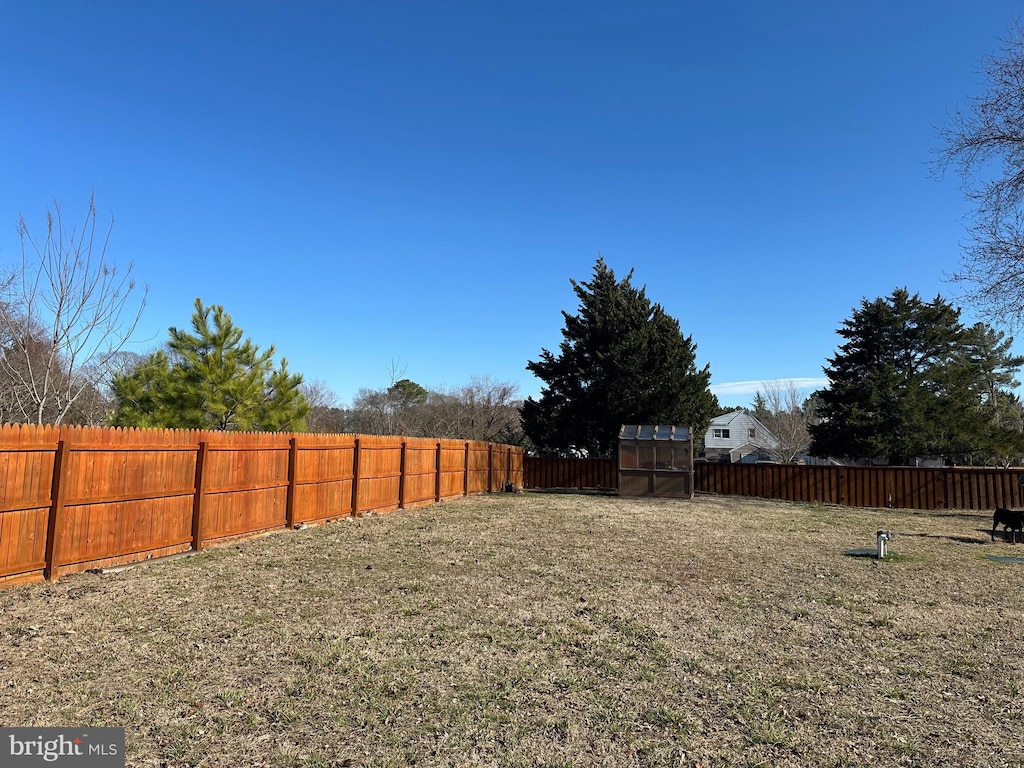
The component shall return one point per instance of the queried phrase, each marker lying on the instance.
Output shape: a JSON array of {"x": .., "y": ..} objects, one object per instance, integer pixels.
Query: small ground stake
[{"x": 883, "y": 539}]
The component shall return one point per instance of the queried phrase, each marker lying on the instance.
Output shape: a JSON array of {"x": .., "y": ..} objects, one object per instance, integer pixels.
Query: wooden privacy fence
[
  {"x": 926, "y": 488},
  {"x": 570, "y": 473},
  {"x": 76, "y": 498}
]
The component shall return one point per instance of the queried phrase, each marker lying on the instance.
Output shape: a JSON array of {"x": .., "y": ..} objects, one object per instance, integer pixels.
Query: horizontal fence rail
[
  {"x": 79, "y": 498},
  {"x": 924, "y": 488}
]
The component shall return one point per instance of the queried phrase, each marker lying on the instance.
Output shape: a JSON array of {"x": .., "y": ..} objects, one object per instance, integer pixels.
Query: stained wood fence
[
  {"x": 77, "y": 498},
  {"x": 570, "y": 473},
  {"x": 925, "y": 488}
]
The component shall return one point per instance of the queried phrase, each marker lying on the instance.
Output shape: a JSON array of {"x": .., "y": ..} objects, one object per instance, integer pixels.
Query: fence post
[
  {"x": 198, "y": 499},
  {"x": 355, "y": 480},
  {"x": 401, "y": 477},
  {"x": 437, "y": 477},
  {"x": 293, "y": 457},
  {"x": 56, "y": 517},
  {"x": 465, "y": 473},
  {"x": 490, "y": 466}
]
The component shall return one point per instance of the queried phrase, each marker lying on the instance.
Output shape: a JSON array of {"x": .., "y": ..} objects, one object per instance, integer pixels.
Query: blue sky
[{"x": 365, "y": 183}]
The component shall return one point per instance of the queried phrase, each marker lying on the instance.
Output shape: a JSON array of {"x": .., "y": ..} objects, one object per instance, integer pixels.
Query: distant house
[{"x": 739, "y": 436}]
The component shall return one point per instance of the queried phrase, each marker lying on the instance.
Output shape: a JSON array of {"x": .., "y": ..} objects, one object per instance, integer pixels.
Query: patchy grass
[{"x": 544, "y": 631}]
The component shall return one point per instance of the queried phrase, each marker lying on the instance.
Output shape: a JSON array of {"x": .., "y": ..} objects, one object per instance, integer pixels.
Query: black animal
[{"x": 1012, "y": 521}]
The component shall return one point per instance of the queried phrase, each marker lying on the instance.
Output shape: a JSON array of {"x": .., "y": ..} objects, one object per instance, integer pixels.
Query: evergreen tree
[
  {"x": 622, "y": 360},
  {"x": 991, "y": 369},
  {"x": 210, "y": 378},
  {"x": 144, "y": 396},
  {"x": 912, "y": 381},
  {"x": 406, "y": 393}
]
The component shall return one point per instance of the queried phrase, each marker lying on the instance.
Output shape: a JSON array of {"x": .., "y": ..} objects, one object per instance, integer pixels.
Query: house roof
[{"x": 728, "y": 418}]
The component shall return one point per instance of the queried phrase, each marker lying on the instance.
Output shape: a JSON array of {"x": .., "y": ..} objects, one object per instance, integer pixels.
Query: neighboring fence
[
  {"x": 76, "y": 498},
  {"x": 570, "y": 473},
  {"x": 924, "y": 488}
]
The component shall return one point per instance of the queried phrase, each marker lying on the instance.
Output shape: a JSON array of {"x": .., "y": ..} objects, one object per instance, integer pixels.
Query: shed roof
[{"x": 653, "y": 432}]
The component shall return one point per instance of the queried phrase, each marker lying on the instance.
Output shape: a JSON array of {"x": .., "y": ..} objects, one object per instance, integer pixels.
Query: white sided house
[{"x": 740, "y": 436}]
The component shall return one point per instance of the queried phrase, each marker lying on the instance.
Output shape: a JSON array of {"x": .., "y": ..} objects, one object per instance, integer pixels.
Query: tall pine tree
[
  {"x": 912, "y": 381},
  {"x": 210, "y": 378},
  {"x": 622, "y": 360}
]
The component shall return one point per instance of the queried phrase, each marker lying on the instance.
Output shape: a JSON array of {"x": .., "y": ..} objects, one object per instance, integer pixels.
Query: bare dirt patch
[{"x": 544, "y": 630}]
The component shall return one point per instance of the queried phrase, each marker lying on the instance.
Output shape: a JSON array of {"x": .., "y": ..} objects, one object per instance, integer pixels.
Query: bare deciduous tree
[
  {"x": 370, "y": 413},
  {"x": 985, "y": 146},
  {"x": 325, "y": 413},
  {"x": 484, "y": 409},
  {"x": 387, "y": 411},
  {"x": 492, "y": 410},
  {"x": 779, "y": 407},
  {"x": 66, "y": 315}
]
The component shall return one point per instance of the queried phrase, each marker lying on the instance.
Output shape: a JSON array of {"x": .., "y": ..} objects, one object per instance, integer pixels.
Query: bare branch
[
  {"x": 984, "y": 145},
  {"x": 68, "y": 313},
  {"x": 780, "y": 409}
]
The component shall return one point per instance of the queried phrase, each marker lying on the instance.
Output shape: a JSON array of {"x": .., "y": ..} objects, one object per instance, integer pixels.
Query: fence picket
[
  {"x": 197, "y": 504},
  {"x": 56, "y": 521}
]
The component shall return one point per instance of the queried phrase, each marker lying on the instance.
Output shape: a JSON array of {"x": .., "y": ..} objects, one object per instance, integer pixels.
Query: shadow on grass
[
  {"x": 872, "y": 553},
  {"x": 1006, "y": 559},
  {"x": 957, "y": 539},
  {"x": 577, "y": 491}
]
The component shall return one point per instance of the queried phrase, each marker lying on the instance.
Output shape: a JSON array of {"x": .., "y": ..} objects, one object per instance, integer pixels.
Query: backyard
[{"x": 545, "y": 630}]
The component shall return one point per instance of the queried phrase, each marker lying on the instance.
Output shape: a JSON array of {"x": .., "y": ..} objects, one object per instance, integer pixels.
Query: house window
[
  {"x": 752, "y": 433},
  {"x": 722, "y": 433}
]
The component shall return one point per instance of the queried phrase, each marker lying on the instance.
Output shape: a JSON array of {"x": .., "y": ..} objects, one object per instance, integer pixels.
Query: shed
[{"x": 656, "y": 460}]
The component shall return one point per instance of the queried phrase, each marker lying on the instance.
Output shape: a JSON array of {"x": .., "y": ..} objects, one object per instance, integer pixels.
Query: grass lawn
[{"x": 545, "y": 630}]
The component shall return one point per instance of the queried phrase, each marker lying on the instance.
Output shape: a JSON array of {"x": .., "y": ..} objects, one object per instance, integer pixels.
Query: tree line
[
  {"x": 484, "y": 409},
  {"x": 909, "y": 380}
]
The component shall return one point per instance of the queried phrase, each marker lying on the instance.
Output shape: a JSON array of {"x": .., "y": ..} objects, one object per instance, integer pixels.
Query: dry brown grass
[{"x": 544, "y": 630}]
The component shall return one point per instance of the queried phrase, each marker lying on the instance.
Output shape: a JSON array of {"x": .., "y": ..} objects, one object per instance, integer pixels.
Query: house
[{"x": 739, "y": 436}]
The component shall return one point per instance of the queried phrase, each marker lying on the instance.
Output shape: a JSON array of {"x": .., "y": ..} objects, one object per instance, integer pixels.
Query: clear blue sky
[{"x": 359, "y": 183}]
